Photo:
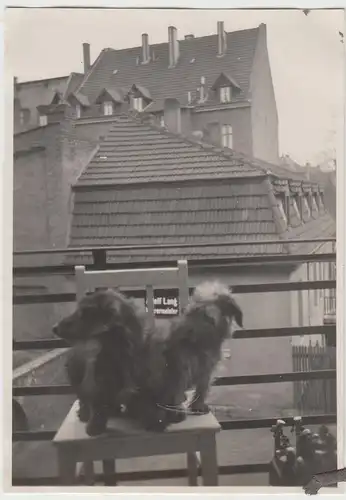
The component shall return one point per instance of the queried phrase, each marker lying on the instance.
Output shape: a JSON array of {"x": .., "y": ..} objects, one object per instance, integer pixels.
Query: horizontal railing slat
[
  {"x": 48, "y": 298},
  {"x": 151, "y": 246},
  {"x": 148, "y": 475},
  {"x": 238, "y": 334},
  {"x": 44, "y": 390},
  {"x": 68, "y": 270},
  {"x": 242, "y": 424}
]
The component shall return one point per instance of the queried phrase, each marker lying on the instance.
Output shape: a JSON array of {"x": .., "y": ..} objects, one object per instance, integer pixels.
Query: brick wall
[
  {"x": 238, "y": 118},
  {"x": 264, "y": 117},
  {"x": 32, "y": 94}
]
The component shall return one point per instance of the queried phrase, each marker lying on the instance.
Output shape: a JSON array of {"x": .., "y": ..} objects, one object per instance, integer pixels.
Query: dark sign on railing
[{"x": 166, "y": 304}]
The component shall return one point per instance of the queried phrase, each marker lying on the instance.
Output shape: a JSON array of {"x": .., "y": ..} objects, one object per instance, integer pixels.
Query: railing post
[{"x": 99, "y": 258}]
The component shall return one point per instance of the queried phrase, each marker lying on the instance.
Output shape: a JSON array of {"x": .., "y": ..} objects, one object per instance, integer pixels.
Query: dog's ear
[{"x": 237, "y": 313}]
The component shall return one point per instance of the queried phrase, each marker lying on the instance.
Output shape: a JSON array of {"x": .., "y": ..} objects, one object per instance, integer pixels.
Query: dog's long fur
[
  {"x": 118, "y": 358},
  {"x": 106, "y": 335},
  {"x": 182, "y": 355}
]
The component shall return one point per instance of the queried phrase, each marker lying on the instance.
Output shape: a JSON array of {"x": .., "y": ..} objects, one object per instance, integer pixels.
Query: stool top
[{"x": 72, "y": 429}]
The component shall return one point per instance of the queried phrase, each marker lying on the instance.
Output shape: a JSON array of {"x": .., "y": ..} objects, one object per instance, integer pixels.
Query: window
[
  {"x": 227, "y": 136},
  {"x": 137, "y": 103},
  {"x": 78, "y": 111},
  {"x": 225, "y": 94},
  {"x": 24, "y": 116},
  {"x": 107, "y": 108},
  {"x": 162, "y": 121},
  {"x": 43, "y": 120}
]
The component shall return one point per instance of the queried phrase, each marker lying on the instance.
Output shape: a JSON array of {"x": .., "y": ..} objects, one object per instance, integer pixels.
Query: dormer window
[
  {"x": 227, "y": 136},
  {"x": 225, "y": 94},
  {"x": 137, "y": 103},
  {"x": 78, "y": 111},
  {"x": 108, "y": 108},
  {"x": 43, "y": 120}
]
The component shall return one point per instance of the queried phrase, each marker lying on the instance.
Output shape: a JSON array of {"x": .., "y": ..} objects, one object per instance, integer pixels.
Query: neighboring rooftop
[
  {"x": 120, "y": 69},
  {"x": 146, "y": 186}
]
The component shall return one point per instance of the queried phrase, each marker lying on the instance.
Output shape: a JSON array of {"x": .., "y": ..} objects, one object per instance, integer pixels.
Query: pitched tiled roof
[
  {"x": 198, "y": 57},
  {"x": 176, "y": 213},
  {"x": 154, "y": 187},
  {"x": 136, "y": 152}
]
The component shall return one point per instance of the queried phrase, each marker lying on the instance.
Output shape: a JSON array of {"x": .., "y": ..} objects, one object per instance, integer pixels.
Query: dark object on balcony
[{"x": 313, "y": 453}]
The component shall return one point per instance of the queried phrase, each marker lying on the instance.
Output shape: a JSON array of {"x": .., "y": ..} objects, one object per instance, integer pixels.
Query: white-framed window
[
  {"x": 78, "y": 111},
  {"x": 137, "y": 103},
  {"x": 43, "y": 120},
  {"x": 227, "y": 136},
  {"x": 21, "y": 118},
  {"x": 225, "y": 94},
  {"x": 108, "y": 108}
]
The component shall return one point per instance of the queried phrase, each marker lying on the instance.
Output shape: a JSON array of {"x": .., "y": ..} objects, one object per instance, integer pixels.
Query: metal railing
[{"x": 100, "y": 261}]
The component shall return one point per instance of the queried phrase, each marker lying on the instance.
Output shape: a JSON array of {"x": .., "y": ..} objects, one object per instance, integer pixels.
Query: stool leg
[
  {"x": 209, "y": 460},
  {"x": 67, "y": 468},
  {"x": 192, "y": 469},
  {"x": 89, "y": 474},
  {"x": 109, "y": 472}
]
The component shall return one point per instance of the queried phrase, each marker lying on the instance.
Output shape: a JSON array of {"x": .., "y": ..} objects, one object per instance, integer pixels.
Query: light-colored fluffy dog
[{"x": 182, "y": 355}]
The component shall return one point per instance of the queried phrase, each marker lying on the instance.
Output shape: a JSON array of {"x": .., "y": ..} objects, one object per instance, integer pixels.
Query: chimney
[
  {"x": 173, "y": 46},
  {"x": 189, "y": 37},
  {"x": 86, "y": 57},
  {"x": 221, "y": 39},
  {"x": 172, "y": 115},
  {"x": 145, "y": 49}
]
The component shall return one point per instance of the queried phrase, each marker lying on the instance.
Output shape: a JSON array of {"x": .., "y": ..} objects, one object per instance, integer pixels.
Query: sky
[{"x": 306, "y": 57}]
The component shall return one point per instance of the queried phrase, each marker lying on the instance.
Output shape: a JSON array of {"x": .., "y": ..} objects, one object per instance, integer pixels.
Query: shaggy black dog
[
  {"x": 106, "y": 335},
  {"x": 182, "y": 355}
]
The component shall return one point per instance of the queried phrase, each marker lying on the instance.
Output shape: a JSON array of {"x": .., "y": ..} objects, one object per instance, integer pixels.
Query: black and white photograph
[{"x": 174, "y": 248}]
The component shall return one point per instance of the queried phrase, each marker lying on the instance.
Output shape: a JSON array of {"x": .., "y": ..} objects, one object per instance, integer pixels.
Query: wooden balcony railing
[{"x": 100, "y": 261}]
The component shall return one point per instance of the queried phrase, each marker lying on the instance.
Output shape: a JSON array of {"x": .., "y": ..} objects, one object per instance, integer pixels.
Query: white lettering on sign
[{"x": 165, "y": 306}]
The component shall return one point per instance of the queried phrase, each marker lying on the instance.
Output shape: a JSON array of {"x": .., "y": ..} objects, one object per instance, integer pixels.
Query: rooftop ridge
[{"x": 181, "y": 40}]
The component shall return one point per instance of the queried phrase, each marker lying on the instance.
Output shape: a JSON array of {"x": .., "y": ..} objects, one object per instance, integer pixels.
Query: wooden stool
[{"x": 125, "y": 439}]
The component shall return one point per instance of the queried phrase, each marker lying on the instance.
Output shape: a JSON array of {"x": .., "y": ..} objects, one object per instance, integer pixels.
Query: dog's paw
[
  {"x": 83, "y": 413},
  {"x": 96, "y": 425},
  {"x": 199, "y": 408}
]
